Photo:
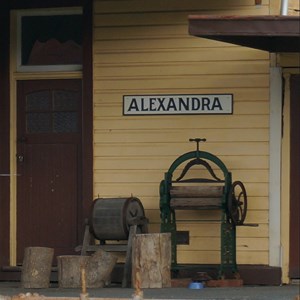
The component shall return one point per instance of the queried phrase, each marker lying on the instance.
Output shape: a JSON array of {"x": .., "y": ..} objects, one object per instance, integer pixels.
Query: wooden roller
[{"x": 196, "y": 197}]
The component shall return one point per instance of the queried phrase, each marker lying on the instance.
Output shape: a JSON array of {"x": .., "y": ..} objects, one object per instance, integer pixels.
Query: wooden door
[
  {"x": 294, "y": 267},
  {"x": 48, "y": 164}
]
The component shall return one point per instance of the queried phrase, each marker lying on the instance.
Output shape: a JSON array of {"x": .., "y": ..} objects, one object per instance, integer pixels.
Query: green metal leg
[
  {"x": 169, "y": 225},
  {"x": 228, "y": 249}
]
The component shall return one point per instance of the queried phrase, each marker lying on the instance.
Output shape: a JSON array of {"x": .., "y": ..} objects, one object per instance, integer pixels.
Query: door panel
[
  {"x": 294, "y": 267},
  {"x": 48, "y": 160}
]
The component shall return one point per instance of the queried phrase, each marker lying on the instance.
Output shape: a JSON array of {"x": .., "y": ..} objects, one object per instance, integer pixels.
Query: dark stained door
[
  {"x": 48, "y": 164},
  {"x": 294, "y": 268}
]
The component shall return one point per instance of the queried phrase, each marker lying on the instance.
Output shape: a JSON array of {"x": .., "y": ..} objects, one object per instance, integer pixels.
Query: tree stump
[
  {"x": 69, "y": 270},
  {"x": 99, "y": 268},
  {"x": 36, "y": 269},
  {"x": 151, "y": 260}
]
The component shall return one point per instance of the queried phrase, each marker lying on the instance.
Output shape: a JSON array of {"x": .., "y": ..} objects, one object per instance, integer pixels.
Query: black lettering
[
  {"x": 205, "y": 103},
  {"x": 217, "y": 104},
  {"x": 143, "y": 108},
  {"x": 172, "y": 105},
  {"x": 184, "y": 103},
  {"x": 196, "y": 104},
  {"x": 133, "y": 105},
  {"x": 152, "y": 104},
  {"x": 161, "y": 104}
]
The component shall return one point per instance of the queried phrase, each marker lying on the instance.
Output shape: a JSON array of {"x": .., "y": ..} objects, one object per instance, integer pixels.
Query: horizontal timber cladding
[{"x": 143, "y": 48}]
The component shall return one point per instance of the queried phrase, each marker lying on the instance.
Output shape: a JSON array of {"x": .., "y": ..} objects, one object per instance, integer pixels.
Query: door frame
[
  {"x": 294, "y": 177},
  {"x": 8, "y": 93},
  {"x": 4, "y": 135}
]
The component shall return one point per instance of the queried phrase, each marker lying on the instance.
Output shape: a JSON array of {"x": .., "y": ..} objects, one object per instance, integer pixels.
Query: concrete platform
[{"x": 286, "y": 292}]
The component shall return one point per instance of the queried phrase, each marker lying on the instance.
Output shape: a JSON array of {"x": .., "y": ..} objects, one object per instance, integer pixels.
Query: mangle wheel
[{"x": 237, "y": 203}]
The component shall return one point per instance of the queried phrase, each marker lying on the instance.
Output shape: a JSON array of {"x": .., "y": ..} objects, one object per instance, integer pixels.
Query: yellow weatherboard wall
[{"x": 142, "y": 48}]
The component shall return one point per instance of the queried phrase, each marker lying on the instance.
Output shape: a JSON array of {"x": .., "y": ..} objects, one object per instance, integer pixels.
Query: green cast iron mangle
[{"x": 204, "y": 193}]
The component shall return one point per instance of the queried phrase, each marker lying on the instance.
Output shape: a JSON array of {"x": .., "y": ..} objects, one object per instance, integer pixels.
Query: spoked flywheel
[{"x": 237, "y": 203}]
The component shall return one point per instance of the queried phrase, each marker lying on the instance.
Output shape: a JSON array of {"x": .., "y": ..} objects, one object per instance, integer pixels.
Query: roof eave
[{"x": 269, "y": 33}]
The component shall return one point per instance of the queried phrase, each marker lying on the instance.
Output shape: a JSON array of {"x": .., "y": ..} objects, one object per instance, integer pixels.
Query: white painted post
[
  {"x": 284, "y": 7},
  {"x": 275, "y": 166}
]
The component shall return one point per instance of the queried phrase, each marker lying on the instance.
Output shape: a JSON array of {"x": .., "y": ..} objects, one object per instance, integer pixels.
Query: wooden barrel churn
[{"x": 111, "y": 217}]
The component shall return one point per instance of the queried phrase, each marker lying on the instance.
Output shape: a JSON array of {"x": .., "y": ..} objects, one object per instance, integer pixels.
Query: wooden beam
[
  {"x": 41, "y": 297},
  {"x": 29, "y": 296}
]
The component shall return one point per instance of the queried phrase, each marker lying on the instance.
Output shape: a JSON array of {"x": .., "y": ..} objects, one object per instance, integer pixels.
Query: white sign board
[{"x": 178, "y": 104}]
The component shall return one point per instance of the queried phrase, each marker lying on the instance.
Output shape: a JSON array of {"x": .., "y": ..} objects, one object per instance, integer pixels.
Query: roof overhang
[{"x": 269, "y": 33}]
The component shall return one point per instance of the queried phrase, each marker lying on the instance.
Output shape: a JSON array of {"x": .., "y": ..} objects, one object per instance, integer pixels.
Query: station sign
[{"x": 178, "y": 104}]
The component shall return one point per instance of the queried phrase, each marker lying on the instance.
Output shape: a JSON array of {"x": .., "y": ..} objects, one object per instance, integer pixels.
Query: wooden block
[
  {"x": 98, "y": 268},
  {"x": 69, "y": 270},
  {"x": 36, "y": 268},
  {"x": 225, "y": 283},
  {"x": 181, "y": 282},
  {"x": 151, "y": 260}
]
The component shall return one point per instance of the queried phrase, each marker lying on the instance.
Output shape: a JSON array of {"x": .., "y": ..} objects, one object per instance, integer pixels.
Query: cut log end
[{"x": 36, "y": 269}]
